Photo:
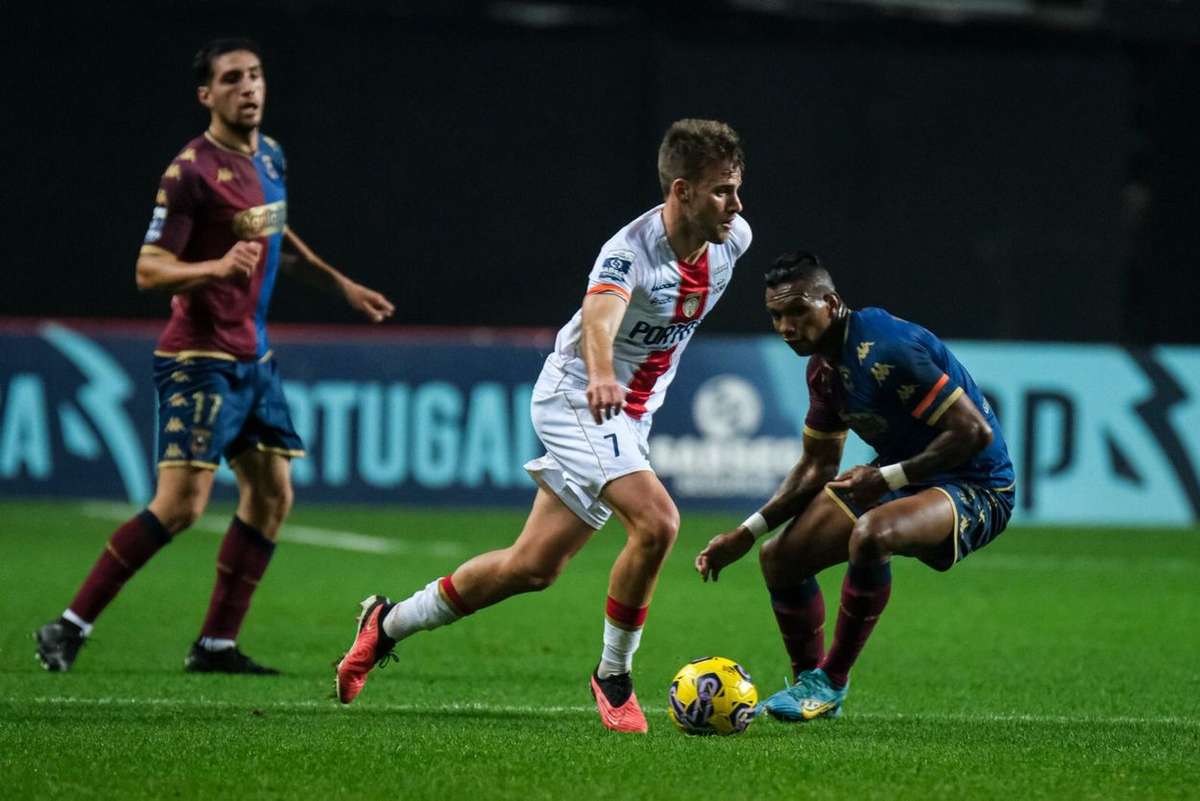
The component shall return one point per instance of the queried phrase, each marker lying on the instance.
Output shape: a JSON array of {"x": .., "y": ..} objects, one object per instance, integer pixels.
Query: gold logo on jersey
[
  {"x": 179, "y": 377},
  {"x": 173, "y": 451},
  {"x": 963, "y": 523},
  {"x": 173, "y": 171},
  {"x": 161, "y": 197},
  {"x": 173, "y": 425},
  {"x": 881, "y": 371},
  {"x": 691, "y": 305},
  {"x": 846, "y": 382},
  {"x": 187, "y": 155},
  {"x": 224, "y": 175},
  {"x": 265, "y": 220},
  {"x": 906, "y": 391},
  {"x": 177, "y": 400},
  {"x": 863, "y": 349}
]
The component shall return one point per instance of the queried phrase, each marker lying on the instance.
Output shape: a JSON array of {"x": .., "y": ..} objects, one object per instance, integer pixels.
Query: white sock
[
  {"x": 216, "y": 644},
  {"x": 85, "y": 628},
  {"x": 425, "y": 609},
  {"x": 619, "y": 646}
]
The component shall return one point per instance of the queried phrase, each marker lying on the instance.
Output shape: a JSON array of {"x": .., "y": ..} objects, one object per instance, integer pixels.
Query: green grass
[{"x": 1054, "y": 664}]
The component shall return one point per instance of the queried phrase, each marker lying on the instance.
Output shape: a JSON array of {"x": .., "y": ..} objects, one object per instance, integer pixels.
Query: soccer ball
[{"x": 712, "y": 695}]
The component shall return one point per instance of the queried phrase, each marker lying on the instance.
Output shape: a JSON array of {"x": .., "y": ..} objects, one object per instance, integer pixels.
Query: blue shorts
[
  {"x": 209, "y": 408},
  {"x": 980, "y": 514}
]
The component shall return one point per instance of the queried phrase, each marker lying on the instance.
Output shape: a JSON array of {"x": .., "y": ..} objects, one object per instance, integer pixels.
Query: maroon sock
[
  {"x": 243, "y": 558},
  {"x": 865, "y": 593},
  {"x": 800, "y": 612},
  {"x": 130, "y": 547}
]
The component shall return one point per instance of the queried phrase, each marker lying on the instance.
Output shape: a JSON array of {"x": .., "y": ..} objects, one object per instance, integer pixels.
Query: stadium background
[{"x": 1002, "y": 172}]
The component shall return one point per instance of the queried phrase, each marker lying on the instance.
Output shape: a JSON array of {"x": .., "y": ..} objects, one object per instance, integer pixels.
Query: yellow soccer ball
[{"x": 712, "y": 695}]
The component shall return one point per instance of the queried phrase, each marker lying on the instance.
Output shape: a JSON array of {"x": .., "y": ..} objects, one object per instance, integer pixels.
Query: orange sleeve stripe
[
  {"x": 600, "y": 289},
  {"x": 928, "y": 399}
]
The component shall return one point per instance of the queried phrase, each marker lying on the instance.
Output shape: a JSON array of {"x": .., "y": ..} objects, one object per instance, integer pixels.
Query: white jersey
[{"x": 668, "y": 298}]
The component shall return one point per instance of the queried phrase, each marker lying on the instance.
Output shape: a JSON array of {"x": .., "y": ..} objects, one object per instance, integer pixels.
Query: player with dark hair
[
  {"x": 650, "y": 287},
  {"x": 941, "y": 488},
  {"x": 215, "y": 244}
]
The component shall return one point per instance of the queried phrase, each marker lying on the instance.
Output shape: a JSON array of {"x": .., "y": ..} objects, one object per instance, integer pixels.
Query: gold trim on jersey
[
  {"x": 1009, "y": 488},
  {"x": 215, "y": 142},
  {"x": 183, "y": 355},
  {"x": 259, "y": 221},
  {"x": 294, "y": 454},
  {"x": 946, "y": 404},
  {"x": 155, "y": 250},
  {"x": 187, "y": 463},
  {"x": 266, "y": 357},
  {"x": 815, "y": 434}
]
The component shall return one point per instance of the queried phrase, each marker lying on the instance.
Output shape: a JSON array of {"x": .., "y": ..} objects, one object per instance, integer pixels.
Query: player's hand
[
  {"x": 374, "y": 306},
  {"x": 723, "y": 549},
  {"x": 864, "y": 484},
  {"x": 605, "y": 399},
  {"x": 240, "y": 261}
]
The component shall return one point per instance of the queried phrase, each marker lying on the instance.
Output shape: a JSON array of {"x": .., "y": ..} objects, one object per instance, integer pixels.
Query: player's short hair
[
  {"x": 803, "y": 268},
  {"x": 202, "y": 64},
  {"x": 689, "y": 146}
]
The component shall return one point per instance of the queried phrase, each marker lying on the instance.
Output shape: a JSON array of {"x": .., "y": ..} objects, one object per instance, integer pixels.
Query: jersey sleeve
[
  {"x": 615, "y": 272},
  {"x": 740, "y": 236},
  {"x": 822, "y": 420},
  {"x": 923, "y": 387},
  {"x": 174, "y": 208}
]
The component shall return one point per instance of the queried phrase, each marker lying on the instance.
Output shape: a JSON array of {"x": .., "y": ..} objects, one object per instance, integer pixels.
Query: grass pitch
[{"x": 1056, "y": 663}]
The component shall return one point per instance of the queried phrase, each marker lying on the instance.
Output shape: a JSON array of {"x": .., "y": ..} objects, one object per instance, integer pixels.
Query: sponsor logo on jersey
[
  {"x": 661, "y": 300},
  {"x": 664, "y": 285},
  {"x": 651, "y": 334},
  {"x": 691, "y": 304},
  {"x": 157, "y": 220},
  {"x": 719, "y": 286},
  {"x": 260, "y": 220},
  {"x": 615, "y": 266}
]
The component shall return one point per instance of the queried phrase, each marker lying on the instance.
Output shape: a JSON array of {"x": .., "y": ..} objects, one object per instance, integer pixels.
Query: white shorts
[{"x": 581, "y": 457}]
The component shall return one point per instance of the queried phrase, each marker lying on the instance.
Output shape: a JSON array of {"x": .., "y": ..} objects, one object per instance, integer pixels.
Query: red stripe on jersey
[{"x": 693, "y": 295}]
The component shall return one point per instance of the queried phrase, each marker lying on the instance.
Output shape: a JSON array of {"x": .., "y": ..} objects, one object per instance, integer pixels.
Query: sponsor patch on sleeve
[
  {"x": 615, "y": 266},
  {"x": 157, "y": 221}
]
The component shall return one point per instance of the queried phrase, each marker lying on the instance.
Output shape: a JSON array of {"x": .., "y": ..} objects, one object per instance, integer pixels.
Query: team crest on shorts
[
  {"x": 201, "y": 439},
  {"x": 691, "y": 304}
]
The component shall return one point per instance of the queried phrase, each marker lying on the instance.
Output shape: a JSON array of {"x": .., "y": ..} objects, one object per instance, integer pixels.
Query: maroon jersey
[
  {"x": 825, "y": 401},
  {"x": 210, "y": 197}
]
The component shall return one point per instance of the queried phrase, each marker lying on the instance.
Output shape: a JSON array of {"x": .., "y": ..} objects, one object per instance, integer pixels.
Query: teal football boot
[{"x": 811, "y": 697}]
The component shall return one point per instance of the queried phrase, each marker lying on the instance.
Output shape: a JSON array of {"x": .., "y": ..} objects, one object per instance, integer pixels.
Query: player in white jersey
[{"x": 651, "y": 286}]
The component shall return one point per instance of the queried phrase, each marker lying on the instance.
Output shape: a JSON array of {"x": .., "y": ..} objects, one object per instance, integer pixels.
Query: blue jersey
[{"x": 891, "y": 383}]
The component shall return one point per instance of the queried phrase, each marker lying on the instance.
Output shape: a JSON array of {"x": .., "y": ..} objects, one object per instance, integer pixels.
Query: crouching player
[{"x": 942, "y": 485}]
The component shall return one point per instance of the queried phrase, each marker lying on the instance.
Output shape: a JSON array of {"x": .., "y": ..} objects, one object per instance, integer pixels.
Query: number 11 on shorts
[{"x": 613, "y": 437}]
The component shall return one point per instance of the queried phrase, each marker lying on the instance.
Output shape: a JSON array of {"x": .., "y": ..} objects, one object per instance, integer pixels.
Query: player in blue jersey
[
  {"x": 217, "y": 239},
  {"x": 941, "y": 487}
]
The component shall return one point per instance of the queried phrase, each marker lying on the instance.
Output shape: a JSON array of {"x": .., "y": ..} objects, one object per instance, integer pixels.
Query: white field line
[
  {"x": 304, "y": 535},
  {"x": 586, "y": 710}
]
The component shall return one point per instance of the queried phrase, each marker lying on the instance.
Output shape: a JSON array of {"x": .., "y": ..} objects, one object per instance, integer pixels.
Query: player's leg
[
  {"x": 179, "y": 499},
  {"x": 817, "y": 539},
  {"x": 264, "y": 500},
  {"x": 552, "y": 534},
  {"x": 917, "y": 525}
]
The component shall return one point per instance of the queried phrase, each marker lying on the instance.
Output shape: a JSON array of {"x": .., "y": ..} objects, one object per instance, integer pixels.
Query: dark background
[{"x": 1023, "y": 176}]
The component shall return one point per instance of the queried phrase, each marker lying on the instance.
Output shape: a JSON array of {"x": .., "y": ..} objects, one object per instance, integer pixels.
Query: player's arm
[
  {"x": 817, "y": 466},
  {"x": 304, "y": 264},
  {"x": 963, "y": 432},
  {"x": 602, "y": 315},
  {"x": 161, "y": 270}
]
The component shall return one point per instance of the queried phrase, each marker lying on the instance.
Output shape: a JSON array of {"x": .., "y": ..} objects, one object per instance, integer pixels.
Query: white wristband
[
  {"x": 756, "y": 524},
  {"x": 893, "y": 474}
]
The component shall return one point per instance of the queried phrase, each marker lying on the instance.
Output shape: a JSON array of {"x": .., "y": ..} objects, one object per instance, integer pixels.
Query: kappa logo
[
  {"x": 906, "y": 391},
  {"x": 863, "y": 349},
  {"x": 881, "y": 371}
]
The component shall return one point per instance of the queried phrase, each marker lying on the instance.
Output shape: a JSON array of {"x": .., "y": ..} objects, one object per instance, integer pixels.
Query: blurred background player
[
  {"x": 214, "y": 243},
  {"x": 941, "y": 487},
  {"x": 650, "y": 287}
]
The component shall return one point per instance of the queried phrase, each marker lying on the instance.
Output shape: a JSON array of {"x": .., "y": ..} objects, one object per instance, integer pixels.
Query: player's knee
[
  {"x": 180, "y": 514},
  {"x": 656, "y": 531},
  {"x": 873, "y": 536},
  {"x": 530, "y": 576}
]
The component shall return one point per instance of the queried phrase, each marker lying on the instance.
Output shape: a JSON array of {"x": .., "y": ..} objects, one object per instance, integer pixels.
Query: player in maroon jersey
[{"x": 216, "y": 243}]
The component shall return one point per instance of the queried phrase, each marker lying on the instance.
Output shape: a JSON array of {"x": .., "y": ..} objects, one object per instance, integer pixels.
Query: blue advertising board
[{"x": 1099, "y": 434}]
